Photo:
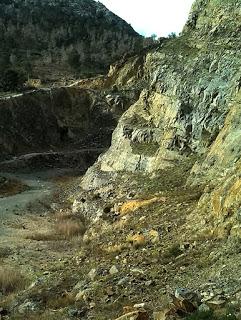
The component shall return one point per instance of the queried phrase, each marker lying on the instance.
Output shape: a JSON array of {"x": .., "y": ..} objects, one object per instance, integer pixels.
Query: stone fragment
[
  {"x": 113, "y": 270},
  {"x": 92, "y": 305},
  {"x": 154, "y": 236},
  {"x": 185, "y": 301},
  {"x": 27, "y": 306},
  {"x": 203, "y": 307},
  {"x": 82, "y": 295},
  {"x": 139, "y": 305},
  {"x": 123, "y": 281},
  {"x": 137, "y": 271},
  {"x": 92, "y": 274}
]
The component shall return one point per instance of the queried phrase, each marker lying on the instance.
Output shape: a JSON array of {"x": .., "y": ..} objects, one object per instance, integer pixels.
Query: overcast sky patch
[{"x": 160, "y": 17}]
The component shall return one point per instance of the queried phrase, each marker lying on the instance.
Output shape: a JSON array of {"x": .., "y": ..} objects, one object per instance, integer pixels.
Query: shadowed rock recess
[
  {"x": 152, "y": 231},
  {"x": 61, "y": 119}
]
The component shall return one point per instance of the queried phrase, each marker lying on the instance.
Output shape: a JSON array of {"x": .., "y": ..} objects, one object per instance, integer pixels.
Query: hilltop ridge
[{"x": 50, "y": 40}]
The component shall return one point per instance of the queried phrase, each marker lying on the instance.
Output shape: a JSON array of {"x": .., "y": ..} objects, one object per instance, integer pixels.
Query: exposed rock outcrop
[{"x": 189, "y": 105}]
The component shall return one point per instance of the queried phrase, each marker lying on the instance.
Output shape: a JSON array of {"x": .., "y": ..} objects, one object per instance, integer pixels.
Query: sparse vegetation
[
  {"x": 210, "y": 315},
  {"x": 66, "y": 226},
  {"x": 11, "y": 280},
  {"x": 63, "y": 301},
  {"x": 147, "y": 149},
  {"x": 172, "y": 35},
  {"x": 42, "y": 236}
]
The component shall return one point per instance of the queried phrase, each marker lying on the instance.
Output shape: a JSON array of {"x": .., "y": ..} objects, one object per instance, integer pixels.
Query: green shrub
[
  {"x": 172, "y": 35},
  {"x": 173, "y": 251}
]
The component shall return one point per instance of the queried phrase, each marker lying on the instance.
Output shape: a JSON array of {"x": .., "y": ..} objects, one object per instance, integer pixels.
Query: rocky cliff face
[
  {"x": 189, "y": 105},
  {"x": 59, "y": 38}
]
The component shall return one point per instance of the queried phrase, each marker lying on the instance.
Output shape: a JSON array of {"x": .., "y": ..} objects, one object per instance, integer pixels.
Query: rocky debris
[
  {"x": 113, "y": 270},
  {"x": 83, "y": 295},
  {"x": 27, "y": 306},
  {"x": 96, "y": 281},
  {"x": 185, "y": 301}
]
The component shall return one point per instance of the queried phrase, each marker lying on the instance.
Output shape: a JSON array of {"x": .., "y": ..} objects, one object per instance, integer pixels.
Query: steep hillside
[
  {"x": 181, "y": 138},
  {"x": 50, "y": 40},
  {"x": 190, "y": 100}
]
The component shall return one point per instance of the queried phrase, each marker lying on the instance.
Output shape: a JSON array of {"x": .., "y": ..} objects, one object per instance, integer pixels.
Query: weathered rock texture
[
  {"x": 190, "y": 104},
  {"x": 60, "y": 38}
]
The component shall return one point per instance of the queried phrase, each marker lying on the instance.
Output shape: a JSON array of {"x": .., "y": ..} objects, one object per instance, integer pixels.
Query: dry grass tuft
[
  {"x": 12, "y": 187},
  {"x": 133, "y": 205},
  {"x": 42, "y": 236},
  {"x": 70, "y": 228},
  {"x": 11, "y": 280},
  {"x": 63, "y": 229},
  {"x": 66, "y": 226},
  {"x": 65, "y": 215}
]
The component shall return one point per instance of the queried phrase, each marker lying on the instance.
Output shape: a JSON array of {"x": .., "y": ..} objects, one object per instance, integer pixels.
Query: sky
[{"x": 160, "y": 17}]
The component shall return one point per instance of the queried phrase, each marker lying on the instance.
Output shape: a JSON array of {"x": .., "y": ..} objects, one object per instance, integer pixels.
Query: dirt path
[{"x": 38, "y": 185}]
